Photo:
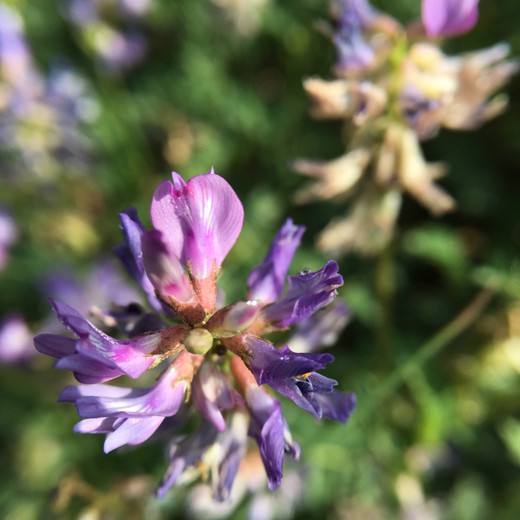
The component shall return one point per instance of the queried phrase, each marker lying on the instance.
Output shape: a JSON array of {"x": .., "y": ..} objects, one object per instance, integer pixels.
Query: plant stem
[{"x": 426, "y": 352}]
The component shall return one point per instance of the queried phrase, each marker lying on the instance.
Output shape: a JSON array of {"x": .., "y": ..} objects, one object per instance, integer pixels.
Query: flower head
[{"x": 213, "y": 358}]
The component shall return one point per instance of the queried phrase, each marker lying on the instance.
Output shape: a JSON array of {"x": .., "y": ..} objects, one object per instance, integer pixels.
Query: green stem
[
  {"x": 426, "y": 352},
  {"x": 384, "y": 280}
]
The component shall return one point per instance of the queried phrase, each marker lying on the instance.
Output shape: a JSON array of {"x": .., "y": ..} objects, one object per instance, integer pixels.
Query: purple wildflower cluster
[
  {"x": 111, "y": 30},
  {"x": 41, "y": 117},
  {"x": 209, "y": 355}
]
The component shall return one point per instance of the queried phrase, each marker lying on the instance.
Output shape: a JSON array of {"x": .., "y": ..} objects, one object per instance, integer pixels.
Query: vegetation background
[{"x": 437, "y": 429}]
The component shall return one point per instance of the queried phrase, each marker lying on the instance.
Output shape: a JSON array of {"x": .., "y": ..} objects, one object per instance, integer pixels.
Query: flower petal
[
  {"x": 163, "y": 399},
  {"x": 267, "y": 280},
  {"x": 130, "y": 251},
  {"x": 269, "y": 363},
  {"x": 130, "y": 357},
  {"x": 211, "y": 392},
  {"x": 307, "y": 293},
  {"x": 449, "y": 17},
  {"x": 164, "y": 269},
  {"x": 132, "y": 431},
  {"x": 320, "y": 329},
  {"x": 200, "y": 220},
  {"x": 269, "y": 428}
]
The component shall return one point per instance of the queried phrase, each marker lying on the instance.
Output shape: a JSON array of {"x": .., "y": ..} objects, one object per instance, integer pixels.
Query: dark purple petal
[
  {"x": 307, "y": 293},
  {"x": 267, "y": 280},
  {"x": 54, "y": 345},
  {"x": 269, "y": 363},
  {"x": 300, "y": 393},
  {"x": 200, "y": 220},
  {"x": 449, "y": 17},
  {"x": 86, "y": 370},
  {"x": 271, "y": 432},
  {"x": 130, "y": 251}
]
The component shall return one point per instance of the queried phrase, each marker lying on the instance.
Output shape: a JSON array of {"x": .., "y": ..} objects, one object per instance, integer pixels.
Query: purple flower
[
  {"x": 213, "y": 357},
  {"x": 15, "y": 56},
  {"x": 294, "y": 375},
  {"x": 267, "y": 281},
  {"x": 131, "y": 415},
  {"x": 353, "y": 51},
  {"x": 95, "y": 356},
  {"x": 200, "y": 221},
  {"x": 219, "y": 453},
  {"x": 449, "y": 17},
  {"x": 16, "y": 343},
  {"x": 269, "y": 428},
  {"x": 8, "y": 235},
  {"x": 307, "y": 293}
]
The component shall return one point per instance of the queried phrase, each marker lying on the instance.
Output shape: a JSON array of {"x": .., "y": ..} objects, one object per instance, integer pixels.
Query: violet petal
[
  {"x": 307, "y": 293},
  {"x": 200, "y": 220},
  {"x": 267, "y": 280}
]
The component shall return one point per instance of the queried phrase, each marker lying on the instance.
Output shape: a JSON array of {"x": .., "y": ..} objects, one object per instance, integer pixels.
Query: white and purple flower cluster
[
  {"x": 210, "y": 356},
  {"x": 394, "y": 87}
]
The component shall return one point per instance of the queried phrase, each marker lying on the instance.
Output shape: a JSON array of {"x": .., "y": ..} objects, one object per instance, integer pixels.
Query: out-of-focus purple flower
[
  {"x": 354, "y": 53},
  {"x": 267, "y": 281},
  {"x": 449, "y": 17},
  {"x": 101, "y": 287},
  {"x": 53, "y": 107},
  {"x": 8, "y": 235},
  {"x": 134, "y": 8},
  {"x": 218, "y": 453},
  {"x": 116, "y": 40},
  {"x": 195, "y": 225},
  {"x": 15, "y": 58},
  {"x": 16, "y": 341}
]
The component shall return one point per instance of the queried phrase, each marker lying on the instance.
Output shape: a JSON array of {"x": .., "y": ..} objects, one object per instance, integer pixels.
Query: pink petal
[{"x": 200, "y": 220}]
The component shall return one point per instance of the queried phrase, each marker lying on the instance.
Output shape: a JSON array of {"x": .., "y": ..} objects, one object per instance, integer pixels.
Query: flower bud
[{"x": 198, "y": 341}]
